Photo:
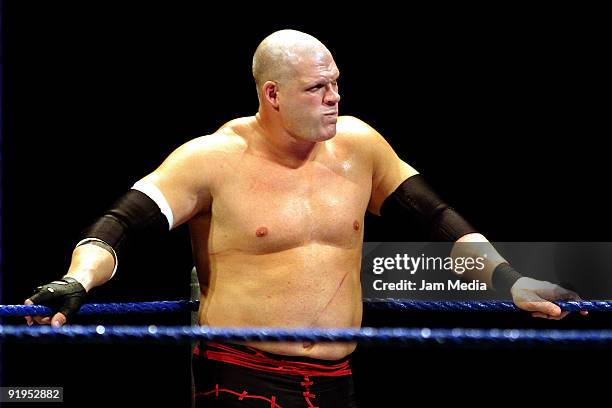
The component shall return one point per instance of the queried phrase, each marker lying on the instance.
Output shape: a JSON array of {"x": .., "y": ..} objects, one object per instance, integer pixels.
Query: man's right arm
[{"x": 172, "y": 194}]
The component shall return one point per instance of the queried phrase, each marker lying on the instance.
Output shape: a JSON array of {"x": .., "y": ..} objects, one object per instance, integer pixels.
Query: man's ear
[{"x": 270, "y": 93}]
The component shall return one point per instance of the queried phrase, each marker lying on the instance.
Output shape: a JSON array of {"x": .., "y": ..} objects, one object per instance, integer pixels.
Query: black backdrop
[{"x": 501, "y": 111}]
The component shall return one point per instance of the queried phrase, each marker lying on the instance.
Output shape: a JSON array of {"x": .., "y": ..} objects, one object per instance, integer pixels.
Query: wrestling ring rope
[
  {"x": 457, "y": 337},
  {"x": 369, "y": 303}
]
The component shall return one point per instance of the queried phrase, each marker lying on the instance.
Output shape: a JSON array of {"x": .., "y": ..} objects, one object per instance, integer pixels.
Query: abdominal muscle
[{"x": 314, "y": 285}]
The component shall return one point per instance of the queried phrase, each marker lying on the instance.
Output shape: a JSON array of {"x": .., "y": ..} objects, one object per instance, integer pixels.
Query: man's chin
[{"x": 328, "y": 132}]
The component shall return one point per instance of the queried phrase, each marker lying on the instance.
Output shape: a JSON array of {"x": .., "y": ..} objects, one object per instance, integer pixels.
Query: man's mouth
[{"x": 331, "y": 117}]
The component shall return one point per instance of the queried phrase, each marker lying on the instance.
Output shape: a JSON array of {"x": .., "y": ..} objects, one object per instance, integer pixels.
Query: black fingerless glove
[{"x": 64, "y": 296}]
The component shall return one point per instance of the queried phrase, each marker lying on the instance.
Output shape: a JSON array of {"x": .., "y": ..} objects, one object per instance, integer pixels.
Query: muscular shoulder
[
  {"x": 355, "y": 130},
  {"x": 222, "y": 144},
  {"x": 358, "y": 135},
  {"x": 208, "y": 154},
  {"x": 216, "y": 144},
  {"x": 350, "y": 126}
]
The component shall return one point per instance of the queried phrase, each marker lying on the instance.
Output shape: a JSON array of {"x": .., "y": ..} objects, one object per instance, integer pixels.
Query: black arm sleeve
[
  {"x": 133, "y": 213},
  {"x": 504, "y": 277},
  {"x": 415, "y": 198}
]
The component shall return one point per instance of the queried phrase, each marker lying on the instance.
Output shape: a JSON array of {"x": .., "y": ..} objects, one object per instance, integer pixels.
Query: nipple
[
  {"x": 356, "y": 225},
  {"x": 261, "y": 232}
]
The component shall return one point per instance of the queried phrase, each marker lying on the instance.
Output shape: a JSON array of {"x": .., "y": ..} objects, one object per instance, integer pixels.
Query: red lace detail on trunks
[
  {"x": 307, "y": 394},
  {"x": 241, "y": 395},
  {"x": 259, "y": 361}
]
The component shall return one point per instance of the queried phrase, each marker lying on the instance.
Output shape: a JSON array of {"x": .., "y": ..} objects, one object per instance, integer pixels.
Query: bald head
[{"x": 280, "y": 53}]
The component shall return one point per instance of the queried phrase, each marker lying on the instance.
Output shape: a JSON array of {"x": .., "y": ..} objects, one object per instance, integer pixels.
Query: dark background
[{"x": 504, "y": 111}]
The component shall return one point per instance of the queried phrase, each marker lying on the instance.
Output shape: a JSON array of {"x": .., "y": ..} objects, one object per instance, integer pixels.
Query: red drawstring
[{"x": 259, "y": 361}]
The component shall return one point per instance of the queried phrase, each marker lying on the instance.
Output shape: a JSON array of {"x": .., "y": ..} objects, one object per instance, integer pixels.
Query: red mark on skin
[
  {"x": 261, "y": 232},
  {"x": 333, "y": 296},
  {"x": 356, "y": 225}
]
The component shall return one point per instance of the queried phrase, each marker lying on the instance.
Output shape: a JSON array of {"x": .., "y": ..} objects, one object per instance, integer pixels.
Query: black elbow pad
[{"x": 415, "y": 198}]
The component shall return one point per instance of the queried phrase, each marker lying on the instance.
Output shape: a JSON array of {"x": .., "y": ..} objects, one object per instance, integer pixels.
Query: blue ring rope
[
  {"x": 370, "y": 303},
  {"x": 412, "y": 336}
]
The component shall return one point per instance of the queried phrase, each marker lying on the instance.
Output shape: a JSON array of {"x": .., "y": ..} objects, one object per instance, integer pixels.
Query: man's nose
[{"x": 332, "y": 96}]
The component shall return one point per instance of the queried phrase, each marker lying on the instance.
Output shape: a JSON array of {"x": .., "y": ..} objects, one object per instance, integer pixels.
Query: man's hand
[
  {"x": 64, "y": 296},
  {"x": 534, "y": 296}
]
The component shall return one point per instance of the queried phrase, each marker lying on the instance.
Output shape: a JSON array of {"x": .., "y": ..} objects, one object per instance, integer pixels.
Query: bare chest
[{"x": 263, "y": 207}]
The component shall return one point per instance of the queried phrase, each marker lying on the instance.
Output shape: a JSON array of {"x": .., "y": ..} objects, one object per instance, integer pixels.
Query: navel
[{"x": 261, "y": 232}]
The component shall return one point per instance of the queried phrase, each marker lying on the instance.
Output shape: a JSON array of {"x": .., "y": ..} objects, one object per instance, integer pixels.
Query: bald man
[{"x": 275, "y": 205}]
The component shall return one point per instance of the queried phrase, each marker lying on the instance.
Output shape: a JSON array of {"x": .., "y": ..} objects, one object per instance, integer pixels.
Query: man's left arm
[
  {"x": 399, "y": 191},
  {"x": 528, "y": 294}
]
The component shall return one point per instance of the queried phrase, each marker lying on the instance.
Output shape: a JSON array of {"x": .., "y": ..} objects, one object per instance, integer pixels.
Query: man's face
[{"x": 308, "y": 102}]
